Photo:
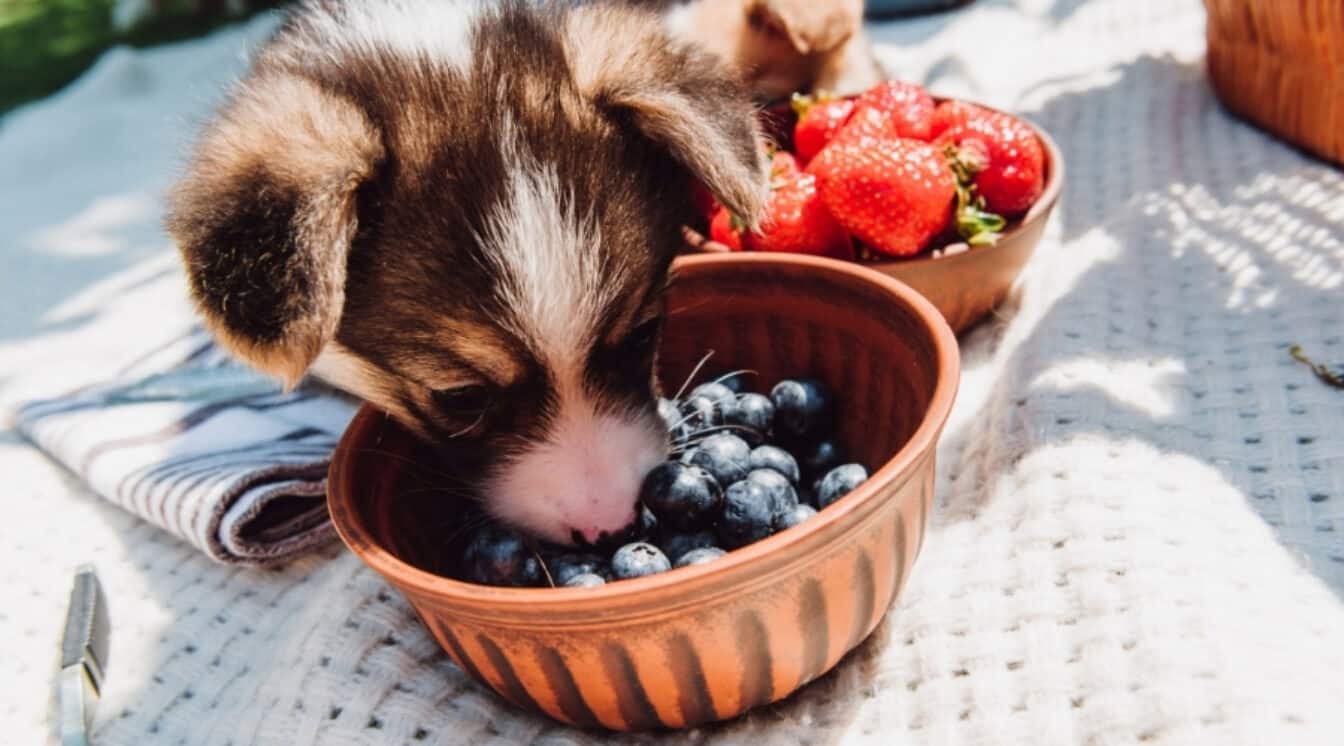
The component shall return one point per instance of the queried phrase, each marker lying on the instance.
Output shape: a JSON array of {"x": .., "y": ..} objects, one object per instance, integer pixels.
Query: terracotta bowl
[
  {"x": 966, "y": 286},
  {"x": 711, "y": 641}
]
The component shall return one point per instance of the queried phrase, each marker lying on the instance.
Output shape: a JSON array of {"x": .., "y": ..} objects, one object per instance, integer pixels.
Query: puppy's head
[{"x": 466, "y": 216}]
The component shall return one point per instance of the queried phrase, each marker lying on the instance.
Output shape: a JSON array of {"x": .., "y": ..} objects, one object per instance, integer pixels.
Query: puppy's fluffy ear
[
  {"x": 677, "y": 95},
  {"x": 265, "y": 215},
  {"x": 811, "y": 27}
]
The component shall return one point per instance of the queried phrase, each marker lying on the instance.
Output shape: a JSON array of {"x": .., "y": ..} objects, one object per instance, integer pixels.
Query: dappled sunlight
[
  {"x": 1269, "y": 221},
  {"x": 1152, "y": 387},
  {"x": 986, "y": 352},
  {"x": 99, "y": 228},
  {"x": 1139, "y": 567},
  {"x": 1187, "y": 255}
]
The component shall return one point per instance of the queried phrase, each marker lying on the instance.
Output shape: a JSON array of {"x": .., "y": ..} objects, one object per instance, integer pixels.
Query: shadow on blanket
[{"x": 1208, "y": 253}]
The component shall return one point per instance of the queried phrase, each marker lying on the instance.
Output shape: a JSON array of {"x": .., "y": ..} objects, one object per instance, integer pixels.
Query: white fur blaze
[{"x": 585, "y": 474}]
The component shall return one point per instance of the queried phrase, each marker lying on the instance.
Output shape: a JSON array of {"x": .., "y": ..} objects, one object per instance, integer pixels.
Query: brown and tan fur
[
  {"x": 467, "y": 218},
  {"x": 785, "y": 46}
]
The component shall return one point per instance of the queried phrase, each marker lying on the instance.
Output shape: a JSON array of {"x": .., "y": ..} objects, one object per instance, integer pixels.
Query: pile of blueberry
[{"x": 744, "y": 466}]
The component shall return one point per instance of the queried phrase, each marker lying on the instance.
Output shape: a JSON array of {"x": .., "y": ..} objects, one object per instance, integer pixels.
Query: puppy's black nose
[{"x": 641, "y": 525}]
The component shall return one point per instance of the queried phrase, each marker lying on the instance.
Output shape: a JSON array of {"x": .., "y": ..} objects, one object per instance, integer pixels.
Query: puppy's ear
[
  {"x": 677, "y": 95},
  {"x": 811, "y": 27},
  {"x": 265, "y": 215}
]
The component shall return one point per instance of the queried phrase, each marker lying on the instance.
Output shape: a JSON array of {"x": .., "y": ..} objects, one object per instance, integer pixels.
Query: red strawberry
[
  {"x": 894, "y": 195},
  {"x": 891, "y": 109},
  {"x": 705, "y": 204},
  {"x": 953, "y": 114},
  {"x": 1012, "y": 173},
  {"x": 818, "y": 122},
  {"x": 726, "y": 229},
  {"x": 795, "y": 221}
]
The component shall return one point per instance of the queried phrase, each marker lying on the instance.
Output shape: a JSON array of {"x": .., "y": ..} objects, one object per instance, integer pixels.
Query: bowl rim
[
  {"x": 617, "y": 597},
  {"x": 1040, "y": 209}
]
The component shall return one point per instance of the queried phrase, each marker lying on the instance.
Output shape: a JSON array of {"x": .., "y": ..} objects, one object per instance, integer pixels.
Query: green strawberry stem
[
  {"x": 974, "y": 223},
  {"x": 977, "y": 225},
  {"x": 801, "y": 102}
]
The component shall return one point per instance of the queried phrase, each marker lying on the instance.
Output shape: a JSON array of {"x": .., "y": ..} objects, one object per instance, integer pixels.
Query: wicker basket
[{"x": 1280, "y": 64}]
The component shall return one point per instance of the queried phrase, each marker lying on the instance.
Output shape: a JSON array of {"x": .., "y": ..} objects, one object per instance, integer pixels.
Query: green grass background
[{"x": 45, "y": 44}]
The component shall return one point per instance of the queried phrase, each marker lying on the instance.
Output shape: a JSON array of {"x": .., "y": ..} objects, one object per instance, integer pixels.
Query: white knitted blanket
[{"x": 1140, "y": 533}]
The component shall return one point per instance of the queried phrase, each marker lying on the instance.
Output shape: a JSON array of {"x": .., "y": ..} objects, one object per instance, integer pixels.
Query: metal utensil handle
[{"x": 84, "y": 649}]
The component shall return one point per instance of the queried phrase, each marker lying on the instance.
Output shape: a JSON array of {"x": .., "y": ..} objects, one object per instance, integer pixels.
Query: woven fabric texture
[
  {"x": 1140, "y": 527},
  {"x": 201, "y": 446}
]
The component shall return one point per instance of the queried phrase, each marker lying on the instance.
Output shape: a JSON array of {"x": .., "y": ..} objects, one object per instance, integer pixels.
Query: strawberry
[
  {"x": 705, "y": 204},
  {"x": 795, "y": 221},
  {"x": 730, "y": 230},
  {"x": 1010, "y": 173},
  {"x": 818, "y": 122},
  {"x": 953, "y": 114},
  {"x": 891, "y": 109},
  {"x": 894, "y": 195},
  {"x": 726, "y": 229}
]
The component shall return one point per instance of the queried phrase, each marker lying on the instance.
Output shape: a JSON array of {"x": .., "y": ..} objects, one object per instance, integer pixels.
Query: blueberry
[
  {"x": 748, "y": 514},
  {"x": 564, "y": 567},
  {"x": 700, "y": 413},
  {"x": 646, "y": 523},
  {"x": 672, "y": 418},
  {"x": 751, "y": 416},
  {"x": 803, "y": 408},
  {"x": 667, "y": 410},
  {"x": 637, "y": 560},
  {"x": 681, "y": 496},
  {"x": 497, "y": 556},
  {"x": 774, "y": 457},
  {"x": 794, "y": 517},
  {"x": 585, "y": 580},
  {"x": 715, "y": 392},
  {"x": 674, "y": 545},
  {"x": 783, "y": 498},
  {"x": 838, "y": 482},
  {"x": 735, "y": 382},
  {"x": 726, "y": 457},
  {"x": 820, "y": 457},
  {"x": 700, "y": 556}
]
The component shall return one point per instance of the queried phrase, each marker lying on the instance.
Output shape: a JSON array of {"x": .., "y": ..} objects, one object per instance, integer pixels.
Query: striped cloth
[{"x": 202, "y": 447}]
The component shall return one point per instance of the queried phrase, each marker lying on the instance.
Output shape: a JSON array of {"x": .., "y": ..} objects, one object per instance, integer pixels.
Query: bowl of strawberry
[
  {"x": 948, "y": 196},
  {"x": 784, "y": 523}
]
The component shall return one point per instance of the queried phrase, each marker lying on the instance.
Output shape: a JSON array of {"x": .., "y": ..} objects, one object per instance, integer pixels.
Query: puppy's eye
[
  {"x": 469, "y": 400},
  {"x": 644, "y": 337}
]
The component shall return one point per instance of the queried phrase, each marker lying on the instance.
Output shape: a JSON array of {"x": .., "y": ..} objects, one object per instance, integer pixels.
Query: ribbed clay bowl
[
  {"x": 965, "y": 286},
  {"x": 706, "y": 642}
]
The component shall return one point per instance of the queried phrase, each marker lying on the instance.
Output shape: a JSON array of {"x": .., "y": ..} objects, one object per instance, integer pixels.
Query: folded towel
[{"x": 203, "y": 447}]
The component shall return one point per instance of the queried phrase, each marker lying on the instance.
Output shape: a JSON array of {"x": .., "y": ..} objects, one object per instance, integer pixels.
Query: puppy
[
  {"x": 783, "y": 46},
  {"x": 464, "y": 212}
]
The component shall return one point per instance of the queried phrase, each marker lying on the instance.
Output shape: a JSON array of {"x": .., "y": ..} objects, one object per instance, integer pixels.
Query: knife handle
[{"x": 84, "y": 650}]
